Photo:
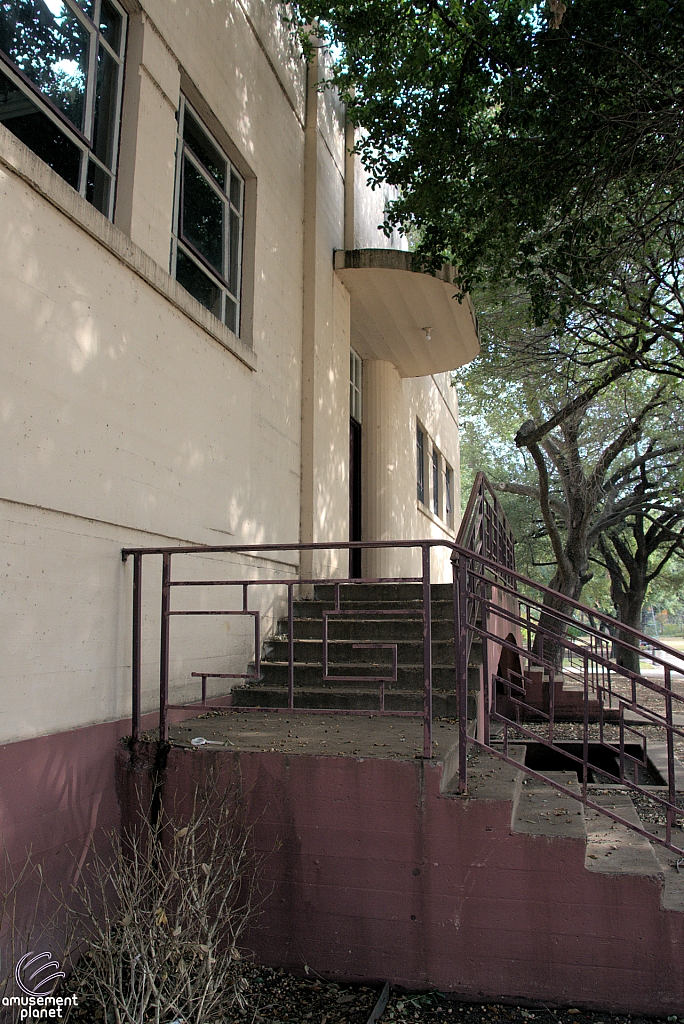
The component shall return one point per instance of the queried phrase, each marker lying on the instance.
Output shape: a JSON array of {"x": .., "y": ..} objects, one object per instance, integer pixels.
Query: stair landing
[{"x": 338, "y": 735}]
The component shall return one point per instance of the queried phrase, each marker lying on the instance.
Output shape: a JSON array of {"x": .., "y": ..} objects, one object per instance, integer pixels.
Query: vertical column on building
[
  {"x": 383, "y": 434},
  {"x": 147, "y": 149},
  {"x": 307, "y": 502},
  {"x": 324, "y": 511}
]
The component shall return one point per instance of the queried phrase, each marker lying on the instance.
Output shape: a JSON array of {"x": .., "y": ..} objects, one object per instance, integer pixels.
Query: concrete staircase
[
  {"x": 539, "y": 810},
  {"x": 374, "y": 614}
]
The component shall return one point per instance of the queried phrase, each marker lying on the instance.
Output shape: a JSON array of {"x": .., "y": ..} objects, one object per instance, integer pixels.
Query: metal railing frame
[
  {"x": 472, "y": 574},
  {"x": 483, "y": 557},
  {"x": 167, "y": 613}
]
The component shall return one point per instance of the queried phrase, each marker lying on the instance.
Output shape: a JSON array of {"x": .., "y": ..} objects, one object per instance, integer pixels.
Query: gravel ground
[
  {"x": 276, "y": 997},
  {"x": 279, "y": 998}
]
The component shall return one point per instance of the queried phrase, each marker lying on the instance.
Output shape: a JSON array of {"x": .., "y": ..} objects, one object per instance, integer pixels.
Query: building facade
[{"x": 206, "y": 339}]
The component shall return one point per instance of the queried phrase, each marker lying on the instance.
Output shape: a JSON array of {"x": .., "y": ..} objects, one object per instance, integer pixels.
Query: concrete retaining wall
[{"x": 372, "y": 875}]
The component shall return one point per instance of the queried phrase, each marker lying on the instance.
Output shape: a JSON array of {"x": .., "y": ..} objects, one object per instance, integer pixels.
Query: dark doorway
[{"x": 354, "y": 496}]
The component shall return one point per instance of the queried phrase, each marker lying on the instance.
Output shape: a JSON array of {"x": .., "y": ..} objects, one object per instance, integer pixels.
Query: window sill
[
  {"x": 435, "y": 519},
  {"x": 24, "y": 163}
]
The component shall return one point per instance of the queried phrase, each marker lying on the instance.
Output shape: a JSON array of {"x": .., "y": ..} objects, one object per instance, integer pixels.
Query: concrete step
[
  {"x": 489, "y": 778},
  {"x": 313, "y": 609},
  {"x": 381, "y": 592},
  {"x": 444, "y": 705},
  {"x": 613, "y": 848},
  {"x": 541, "y": 810},
  {"x": 408, "y": 676},
  {"x": 412, "y": 625},
  {"x": 672, "y": 897},
  {"x": 342, "y": 652}
]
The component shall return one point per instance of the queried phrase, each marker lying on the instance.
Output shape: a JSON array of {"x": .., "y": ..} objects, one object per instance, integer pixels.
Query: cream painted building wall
[{"x": 132, "y": 417}]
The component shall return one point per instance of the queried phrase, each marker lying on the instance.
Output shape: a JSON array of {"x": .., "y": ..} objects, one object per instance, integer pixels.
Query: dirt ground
[{"x": 280, "y": 998}]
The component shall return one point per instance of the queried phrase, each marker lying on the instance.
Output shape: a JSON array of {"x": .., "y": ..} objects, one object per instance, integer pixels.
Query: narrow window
[
  {"x": 448, "y": 495},
  {"x": 355, "y": 369},
  {"x": 420, "y": 462},
  {"x": 435, "y": 481},
  {"x": 61, "y": 71},
  {"x": 207, "y": 242}
]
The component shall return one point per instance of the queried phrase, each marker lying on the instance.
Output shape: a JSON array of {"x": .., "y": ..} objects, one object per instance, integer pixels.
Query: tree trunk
[
  {"x": 626, "y": 651},
  {"x": 567, "y": 584}
]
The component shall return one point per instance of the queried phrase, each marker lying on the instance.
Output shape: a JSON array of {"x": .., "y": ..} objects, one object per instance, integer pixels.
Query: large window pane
[
  {"x": 202, "y": 216},
  {"x": 435, "y": 482},
  {"x": 35, "y": 129},
  {"x": 235, "y": 191},
  {"x": 105, "y": 107},
  {"x": 208, "y": 231},
  {"x": 420, "y": 464},
  {"x": 231, "y": 315},
  {"x": 98, "y": 188},
  {"x": 50, "y": 45},
  {"x": 110, "y": 25},
  {"x": 233, "y": 280},
  {"x": 198, "y": 283},
  {"x": 203, "y": 149}
]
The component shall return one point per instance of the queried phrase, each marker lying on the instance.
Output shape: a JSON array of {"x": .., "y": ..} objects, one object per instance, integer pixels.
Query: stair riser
[
  {"x": 343, "y": 653},
  {"x": 380, "y": 592},
  {"x": 384, "y": 631},
  {"x": 408, "y": 677},
  {"x": 443, "y": 705},
  {"x": 313, "y": 609}
]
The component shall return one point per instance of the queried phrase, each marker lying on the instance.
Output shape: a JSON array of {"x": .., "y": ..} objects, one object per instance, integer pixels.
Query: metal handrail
[
  {"x": 484, "y": 529},
  {"x": 486, "y": 586},
  {"x": 611, "y": 690},
  {"x": 168, "y": 583}
]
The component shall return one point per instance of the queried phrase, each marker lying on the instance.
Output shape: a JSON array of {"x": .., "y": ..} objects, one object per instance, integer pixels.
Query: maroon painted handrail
[{"x": 486, "y": 588}]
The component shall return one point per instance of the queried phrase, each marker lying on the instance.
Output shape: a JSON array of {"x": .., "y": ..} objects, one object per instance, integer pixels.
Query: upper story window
[
  {"x": 448, "y": 495},
  {"x": 355, "y": 371},
  {"x": 207, "y": 240},
  {"x": 435, "y": 489},
  {"x": 61, "y": 71},
  {"x": 434, "y": 477},
  {"x": 420, "y": 462}
]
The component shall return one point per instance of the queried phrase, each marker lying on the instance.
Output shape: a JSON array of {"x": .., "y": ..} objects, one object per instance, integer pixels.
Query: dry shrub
[
  {"x": 31, "y": 919},
  {"x": 161, "y": 917}
]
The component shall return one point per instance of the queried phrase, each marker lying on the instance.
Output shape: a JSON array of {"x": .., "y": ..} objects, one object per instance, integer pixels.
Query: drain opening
[{"x": 604, "y": 765}]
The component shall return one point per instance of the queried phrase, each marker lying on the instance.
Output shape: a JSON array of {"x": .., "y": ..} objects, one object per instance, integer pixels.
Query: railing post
[
  {"x": 461, "y": 654},
  {"x": 486, "y": 687},
  {"x": 164, "y": 649},
  {"x": 136, "y": 699},
  {"x": 585, "y": 729},
  {"x": 671, "y": 790},
  {"x": 427, "y": 654},
  {"x": 290, "y": 646}
]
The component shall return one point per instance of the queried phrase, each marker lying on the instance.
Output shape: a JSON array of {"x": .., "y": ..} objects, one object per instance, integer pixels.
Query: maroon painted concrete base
[
  {"x": 372, "y": 875},
  {"x": 58, "y": 791}
]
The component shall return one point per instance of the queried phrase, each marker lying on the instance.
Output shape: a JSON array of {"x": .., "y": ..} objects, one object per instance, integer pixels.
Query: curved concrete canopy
[{"x": 394, "y": 309}]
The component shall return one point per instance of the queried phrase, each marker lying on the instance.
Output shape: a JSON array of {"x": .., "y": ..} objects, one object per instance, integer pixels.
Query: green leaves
[{"x": 520, "y": 151}]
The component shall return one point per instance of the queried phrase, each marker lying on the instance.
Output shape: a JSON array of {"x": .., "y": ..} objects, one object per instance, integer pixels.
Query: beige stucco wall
[
  {"x": 391, "y": 510},
  {"x": 126, "y": 423},
  {"x": 132, "y": 418}
]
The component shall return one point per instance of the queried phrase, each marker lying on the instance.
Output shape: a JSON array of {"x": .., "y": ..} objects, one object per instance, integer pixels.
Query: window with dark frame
[
  {"x": 355, "y": 377},
  {"x": 420, "y": 462},
  {"x": 448, "y": 495},
  {"x": 435, "y": 481},
  {"x": 61, "y": 76},
  {"x": 207, "y": 238}
]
